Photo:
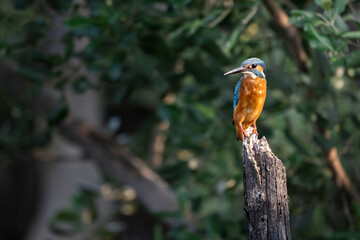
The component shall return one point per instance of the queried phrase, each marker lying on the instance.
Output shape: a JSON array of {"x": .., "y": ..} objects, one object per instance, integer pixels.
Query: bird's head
[{"x": 252, "y": 67}]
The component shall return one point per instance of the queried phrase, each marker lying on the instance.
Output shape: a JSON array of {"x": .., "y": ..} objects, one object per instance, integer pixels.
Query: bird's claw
[{"x": 255, "y": 131}]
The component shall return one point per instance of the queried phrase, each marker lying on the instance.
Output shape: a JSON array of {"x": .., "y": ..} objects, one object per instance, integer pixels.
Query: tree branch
[
  {"x": 289, "y": 33},
  {"x": 117, "y": 161},
  {"x": 158, "y": 143},
  {"x": 342, "y": 180}
]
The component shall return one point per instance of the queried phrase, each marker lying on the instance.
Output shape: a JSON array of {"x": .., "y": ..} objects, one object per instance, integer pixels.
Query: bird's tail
[{"x": 238, "y": 134}]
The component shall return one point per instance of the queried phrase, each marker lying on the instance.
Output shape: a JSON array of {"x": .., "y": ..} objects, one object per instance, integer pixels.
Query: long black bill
[{"x": 236, "y": 70}]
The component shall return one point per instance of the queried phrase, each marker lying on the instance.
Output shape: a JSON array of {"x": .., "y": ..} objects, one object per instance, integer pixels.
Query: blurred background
[{"x": 115, "y": 116}]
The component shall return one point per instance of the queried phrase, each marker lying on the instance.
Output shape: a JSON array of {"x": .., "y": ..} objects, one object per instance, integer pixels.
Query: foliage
[{"x": 168, "y": 58}]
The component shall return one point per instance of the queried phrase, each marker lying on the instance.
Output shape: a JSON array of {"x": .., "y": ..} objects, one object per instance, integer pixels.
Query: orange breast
[{"x": 251, "y": 101}]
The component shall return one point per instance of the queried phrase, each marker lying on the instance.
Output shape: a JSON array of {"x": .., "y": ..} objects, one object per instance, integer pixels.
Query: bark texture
[{"x": 266, "y": 197}]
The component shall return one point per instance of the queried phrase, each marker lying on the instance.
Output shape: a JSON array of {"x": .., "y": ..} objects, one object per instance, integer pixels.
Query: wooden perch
[{"x": 266, "y": 198}]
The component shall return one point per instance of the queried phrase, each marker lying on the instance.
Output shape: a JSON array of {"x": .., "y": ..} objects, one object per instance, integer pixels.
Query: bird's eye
[{"x": 253, "y": 66}]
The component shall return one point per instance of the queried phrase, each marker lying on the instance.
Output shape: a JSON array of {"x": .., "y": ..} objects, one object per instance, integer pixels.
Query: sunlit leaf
[
  {"x": 340, "y": 24},
  {"x": 325, "y": 4},
  {"x": 340, "y": 6},
  {"x": 303, "y": 13},
  {"x": 351, "y": 35}
]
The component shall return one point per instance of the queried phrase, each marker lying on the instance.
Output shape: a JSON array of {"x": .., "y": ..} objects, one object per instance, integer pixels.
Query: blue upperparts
[{"x": 236, "y": 94}]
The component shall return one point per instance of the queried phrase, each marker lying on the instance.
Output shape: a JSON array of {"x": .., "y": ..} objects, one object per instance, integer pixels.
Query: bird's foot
[
  {"x": 245, "y": 133},
  {"x": 255, "y": 131}
]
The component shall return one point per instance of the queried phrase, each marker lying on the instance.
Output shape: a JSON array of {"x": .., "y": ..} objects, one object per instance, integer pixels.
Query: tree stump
[{"x": 266, "y": 198}]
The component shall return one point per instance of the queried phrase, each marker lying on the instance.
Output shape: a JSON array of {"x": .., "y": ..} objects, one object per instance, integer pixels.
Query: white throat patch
[{"x": 249, "y": 75}]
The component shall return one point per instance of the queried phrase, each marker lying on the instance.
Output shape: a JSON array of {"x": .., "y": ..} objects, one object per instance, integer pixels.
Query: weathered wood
[{"x": 266, "y": 198}]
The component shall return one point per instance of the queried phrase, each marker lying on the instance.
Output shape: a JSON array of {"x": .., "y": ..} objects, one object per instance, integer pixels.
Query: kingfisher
[{"x": 249, "y": 95}]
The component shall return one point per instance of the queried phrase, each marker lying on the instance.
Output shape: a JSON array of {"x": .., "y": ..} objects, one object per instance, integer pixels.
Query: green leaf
[
  {"x": 234, "y": 38},
  {"x": 213, "y": 49},
  {"x": 325, "y": 4},
  {"x": 302, "y": 13},
  {"x": 79, "y": 22},
  {"x": 300, "y": 145},
  {"x": 338, "y": 63},
  {"x": 158, "y": 232},
  {"x": 300, "y": 17},
  {"x": 13, "y": 20},
  {"x": 339, "y": 44},
  {"x": 206, "y": 111},
  {"x": 67, "y": 216},
  {"x": 169, "y": 113},
  {"x": 66, "y": 222},
  {"x": 353, "y": 59},
  {"x": 340, "y": 24},
  {"x": 194, "y": 27},
  {"x": 58, "y": 114},
  {"x": 317, "y": 39},
  {"x": 114, "y": 72},
  {"x": 214, "y": 205},
  {"x": 351, "y": 35},
  {"x": 340, "y": 6}
]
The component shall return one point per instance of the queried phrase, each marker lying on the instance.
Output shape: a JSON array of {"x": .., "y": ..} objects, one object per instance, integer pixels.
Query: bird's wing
[{"x": 236, "y": 94}]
